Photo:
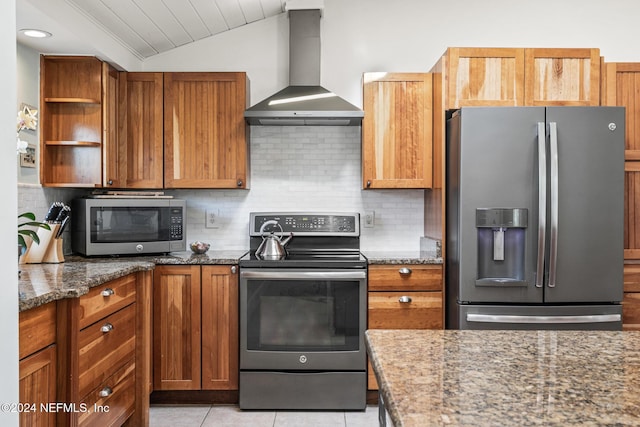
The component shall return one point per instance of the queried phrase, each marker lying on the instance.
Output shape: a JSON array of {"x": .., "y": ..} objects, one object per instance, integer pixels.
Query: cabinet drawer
[
  {"x": 106, "y": 299},
  {"x": 405, "y": 277},
  {"x": 112, "y": 402},
  {"x": 424, "y": 311},
  {"x": 37, "y": 328},
  {"x": 105, "y": 346}
]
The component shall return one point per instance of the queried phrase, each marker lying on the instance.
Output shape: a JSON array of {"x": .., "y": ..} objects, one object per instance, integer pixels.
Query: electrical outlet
[
  {"x": 369, "y": 219},
  {"x": 211, "y": 218}
]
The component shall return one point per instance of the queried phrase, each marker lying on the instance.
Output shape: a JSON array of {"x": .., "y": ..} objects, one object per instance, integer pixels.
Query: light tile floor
[{"x": 232, "y": 416}]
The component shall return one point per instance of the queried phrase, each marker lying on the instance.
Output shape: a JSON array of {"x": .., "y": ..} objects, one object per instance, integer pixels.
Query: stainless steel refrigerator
[{"x": 535, "y": 209}]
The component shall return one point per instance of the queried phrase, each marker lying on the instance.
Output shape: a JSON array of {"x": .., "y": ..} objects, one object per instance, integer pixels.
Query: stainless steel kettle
[{"x": 272, "y": 247}]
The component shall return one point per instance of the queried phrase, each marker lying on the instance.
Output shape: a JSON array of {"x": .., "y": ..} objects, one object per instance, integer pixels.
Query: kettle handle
[{"x": 270, "y": 222}]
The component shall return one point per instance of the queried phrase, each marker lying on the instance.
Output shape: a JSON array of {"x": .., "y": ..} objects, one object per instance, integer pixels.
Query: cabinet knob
[
  {"x": 404, "y": 271},
  {"x": 404, "y": 299},
  {"x": 105, "y": 392},
  {"x": 107, "y": 327},
  {"x": 368, "y": 183},
  {"x": 240, "y": 183},
  {"x": 107, "y": 292},
  {"x": 110, "y": 182},
  {"x": 234, "y": 269}
]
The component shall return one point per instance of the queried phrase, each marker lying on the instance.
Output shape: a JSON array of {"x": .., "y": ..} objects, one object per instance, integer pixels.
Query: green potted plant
[{"x": 31, "y": 222}]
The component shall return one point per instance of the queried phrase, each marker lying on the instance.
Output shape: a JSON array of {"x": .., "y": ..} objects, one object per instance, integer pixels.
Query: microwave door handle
[
  {"x": 542, "y": 202},
  {"x": 553, "y": 172}
]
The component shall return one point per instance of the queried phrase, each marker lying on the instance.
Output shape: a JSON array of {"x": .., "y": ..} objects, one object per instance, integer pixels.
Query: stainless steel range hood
[{"x": 304, "y": 101}]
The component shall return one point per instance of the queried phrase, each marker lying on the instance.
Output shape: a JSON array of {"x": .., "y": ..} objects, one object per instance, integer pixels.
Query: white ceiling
[{"x": 144, "y": 27}]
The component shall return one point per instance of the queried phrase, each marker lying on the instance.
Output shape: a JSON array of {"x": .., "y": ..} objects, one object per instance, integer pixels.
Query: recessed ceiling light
[{"x": 29, "y": 32}]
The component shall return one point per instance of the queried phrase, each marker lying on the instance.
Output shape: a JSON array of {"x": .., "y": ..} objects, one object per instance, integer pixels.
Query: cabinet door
[
  {"x": 204, "y": 130},
  {"x": 176, "y": 327},
  {"x": 621, "y": 87},
  {"x": 396, "y": 130},
  {"x": 632, "y": 210},
  {"x": 140, "y": 158},
  {"x": 485, "y": 77},
  {"x": 562, "y": 77},
  {"x": 220, "y": 327},
  {"x": 38, "y": 385}
]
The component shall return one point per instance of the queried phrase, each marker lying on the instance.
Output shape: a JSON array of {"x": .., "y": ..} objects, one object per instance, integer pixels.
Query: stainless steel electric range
[{"x": 303, "y": 317}]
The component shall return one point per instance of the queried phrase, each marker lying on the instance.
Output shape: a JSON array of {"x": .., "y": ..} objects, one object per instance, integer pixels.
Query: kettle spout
[{"x": 285, "y": 241}]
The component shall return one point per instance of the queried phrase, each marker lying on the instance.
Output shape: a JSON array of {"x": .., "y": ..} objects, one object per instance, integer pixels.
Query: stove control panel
[{"x": 307, "y": 224}]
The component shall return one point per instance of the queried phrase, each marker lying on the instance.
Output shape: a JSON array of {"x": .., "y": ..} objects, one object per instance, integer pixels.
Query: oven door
[{"x": 302, "y": 319}]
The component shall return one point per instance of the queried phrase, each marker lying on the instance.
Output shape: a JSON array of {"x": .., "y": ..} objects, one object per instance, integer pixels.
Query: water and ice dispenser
[{"x": 501, "y": 246}]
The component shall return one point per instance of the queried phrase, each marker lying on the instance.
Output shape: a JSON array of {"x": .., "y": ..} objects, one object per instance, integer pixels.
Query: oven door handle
[{"x": 294, "y": 274}]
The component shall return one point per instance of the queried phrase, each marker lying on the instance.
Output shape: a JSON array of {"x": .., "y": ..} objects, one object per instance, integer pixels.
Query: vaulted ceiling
[{"x": 149, "y": 27}]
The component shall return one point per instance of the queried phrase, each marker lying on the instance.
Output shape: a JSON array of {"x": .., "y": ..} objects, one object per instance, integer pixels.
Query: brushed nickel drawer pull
[
  {"x": 404, "y": 270},
  {"x": 107, "y": 327},
  {"x": 404, "y": 299},
  {"x": 107, "y": 292},
  {"x": 105, "y": 392}
]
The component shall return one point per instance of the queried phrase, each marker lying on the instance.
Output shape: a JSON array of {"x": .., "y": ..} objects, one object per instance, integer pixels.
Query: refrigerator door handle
[
  {"x": 542, "y": 202},
  {"x": 553, "y": 174},
  {"x": 504, "y": 318}
]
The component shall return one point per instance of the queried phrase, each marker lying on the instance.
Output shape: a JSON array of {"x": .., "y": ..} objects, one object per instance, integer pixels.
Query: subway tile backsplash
[{"x": 314, "y": 168}]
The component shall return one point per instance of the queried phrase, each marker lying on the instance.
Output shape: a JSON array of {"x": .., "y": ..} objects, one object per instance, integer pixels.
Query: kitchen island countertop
[
  {"x": 507, "y": 378},
  {"x": 42, "y": 283}
]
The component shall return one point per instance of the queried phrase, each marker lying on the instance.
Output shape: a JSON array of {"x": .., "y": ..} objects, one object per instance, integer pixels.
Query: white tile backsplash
[{"x": 314, "y": 168}]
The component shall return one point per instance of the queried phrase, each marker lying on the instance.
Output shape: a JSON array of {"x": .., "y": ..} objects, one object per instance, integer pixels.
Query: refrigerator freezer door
[
  {"x": 555, "y": 317},
  {"x": 493, "y": 166},
  {"x": 586, "y": 235}
]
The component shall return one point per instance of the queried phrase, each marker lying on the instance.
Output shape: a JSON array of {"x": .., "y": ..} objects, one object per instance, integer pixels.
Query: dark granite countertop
[
  {"x": 401, "y": 257},
  {"x": 508, "y": 378},
  {"x": 42, "y": 283}
]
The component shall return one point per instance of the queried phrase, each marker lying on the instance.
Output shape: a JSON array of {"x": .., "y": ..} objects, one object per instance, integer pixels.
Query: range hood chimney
[{"x": 304, "y": 101}]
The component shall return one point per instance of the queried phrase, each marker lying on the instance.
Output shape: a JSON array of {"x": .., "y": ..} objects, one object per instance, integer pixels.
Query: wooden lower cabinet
[
  {"x": 104, "y": 369},
  {"x": 38, "y": 364},
  {"x": 195, "y": 327},
  {"x": 631, "y": 301},
  {"x": 404, "y": 297}
]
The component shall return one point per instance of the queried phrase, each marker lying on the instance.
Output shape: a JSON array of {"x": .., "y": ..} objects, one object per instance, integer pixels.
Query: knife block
[{"x": 49, "y": 250}]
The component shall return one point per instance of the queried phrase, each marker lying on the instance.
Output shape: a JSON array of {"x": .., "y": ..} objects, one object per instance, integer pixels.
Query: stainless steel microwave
[{"x": 125, "y": 226}]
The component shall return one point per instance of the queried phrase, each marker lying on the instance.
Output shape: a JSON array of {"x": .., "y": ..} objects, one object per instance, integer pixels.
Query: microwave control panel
[{"x": 176, "y": 224}]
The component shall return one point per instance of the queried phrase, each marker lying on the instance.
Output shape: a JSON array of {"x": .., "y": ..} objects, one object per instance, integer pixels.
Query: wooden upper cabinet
[
  {"x": 484, "y": 77},
  {"x": 562, "y": 77},
  {"x": 205, "y": 142},
  {"x": 397, "y": 130},
  {"x": 140, "y": 151},
  {"x": 521, "y": 76},
  {"x": 621, "y": 87},
  {"x": 71, "y": 101}
]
